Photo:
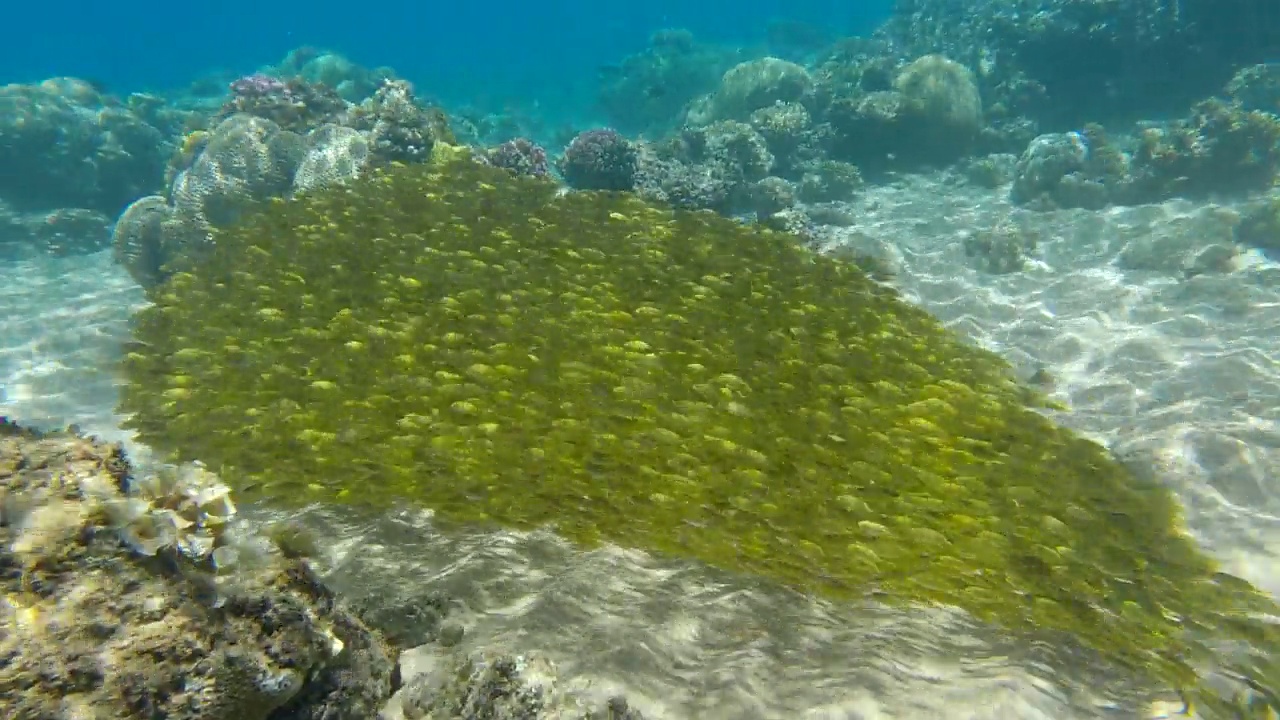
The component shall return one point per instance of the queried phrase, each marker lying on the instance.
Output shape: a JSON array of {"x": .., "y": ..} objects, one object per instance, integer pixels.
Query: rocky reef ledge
[{"x": 126, "y": 598}]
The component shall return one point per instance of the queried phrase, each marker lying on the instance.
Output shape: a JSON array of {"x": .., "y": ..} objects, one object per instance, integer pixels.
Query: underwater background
[
  {"x": 988, "y": 291},
  {"x": 544, "y": 52}
]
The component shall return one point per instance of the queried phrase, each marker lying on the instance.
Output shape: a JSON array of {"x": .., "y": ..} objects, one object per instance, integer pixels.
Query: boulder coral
[
  {"x": 501, "y": 352},
  {"x": 243, "y": 160},
  {"x": 931, "y": 116},
  {"x": 246, "y": 159},
  {"x": 750, "y": 86},
  {"x": 946, "y": 94},
  {"x": 600, "y": 159}
]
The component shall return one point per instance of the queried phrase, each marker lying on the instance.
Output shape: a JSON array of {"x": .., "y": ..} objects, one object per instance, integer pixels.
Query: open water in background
[{"x": 488, "y": 53}]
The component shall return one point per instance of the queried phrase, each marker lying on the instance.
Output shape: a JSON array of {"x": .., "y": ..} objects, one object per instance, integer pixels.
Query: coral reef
[
  {"x": 1221, "y": 148},
  {"x": 1063, "y": 170},
  {"x": 1002, "y": 248},
  {"x": 350, "y": 81},
  {"x": 990, "y": 171},
  {"x": 944, "y": 94},
  {"x": 521, "y": 156},
  {"x": 1067, "y": 62},
  {"x": 786, "y": 129},
  {"x": 245, "y": 159},
  {"x": 140, "y": 241},
  {"x": 712, "y": 167},
  {"x": 292, "y": 103},
  {"x": 733, "y": 146},
  {"x": 171, "y": 118},
  {"x": 852, "y": 67},
  {"x": 931, "y": 116},
  {"x": 475, "y": 126},
  {"x": 662, "y": 176},
  {"x": 771, "y": 196},
  {"x": 65, "y": 145},
  {"x": 412, "y": 621},
  {"x": 60, "y": 233},
  {"x": 115, "y": 602},
  {"x": 600, "y": 160},
  {"x": 336, "y": 155},
  {"x": 750, "y": 86},
  {"x": 829, "y": 181},
  {"x": 647, "y": 91},
  {"x": 398, "y": 128},
  {"x": 501, "y": 352}
]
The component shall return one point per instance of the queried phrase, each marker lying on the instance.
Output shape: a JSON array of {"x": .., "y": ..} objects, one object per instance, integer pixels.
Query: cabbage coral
[{"x": 461, "y": 337}]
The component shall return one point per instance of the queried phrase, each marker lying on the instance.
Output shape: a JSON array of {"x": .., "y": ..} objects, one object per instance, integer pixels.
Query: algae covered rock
[
  {"x": 99, "y": 620},
  {"x": 477, "y": 342}
]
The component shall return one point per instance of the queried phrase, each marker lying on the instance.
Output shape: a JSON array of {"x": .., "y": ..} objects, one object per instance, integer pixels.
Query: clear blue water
[{"x": 457, "y": 51}]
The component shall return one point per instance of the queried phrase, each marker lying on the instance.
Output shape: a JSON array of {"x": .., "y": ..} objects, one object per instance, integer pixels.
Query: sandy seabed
[{"x": 1178, "y": 372}]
